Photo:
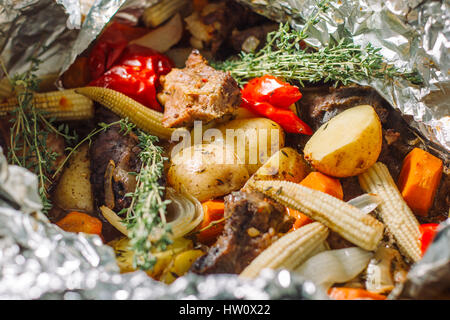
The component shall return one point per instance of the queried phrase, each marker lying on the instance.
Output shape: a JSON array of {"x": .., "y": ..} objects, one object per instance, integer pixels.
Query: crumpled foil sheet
[
  {"x": 29, "y": 26},
  {"x": 412, "y": 35},
  {"x": 40, "y": 261}
]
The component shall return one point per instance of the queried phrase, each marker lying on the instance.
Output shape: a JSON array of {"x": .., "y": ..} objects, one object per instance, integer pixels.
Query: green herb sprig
[
  {"x": 145, "y": 218},
  {"x": 30, "y": 130},
  {"x": 282, "y": 56}
]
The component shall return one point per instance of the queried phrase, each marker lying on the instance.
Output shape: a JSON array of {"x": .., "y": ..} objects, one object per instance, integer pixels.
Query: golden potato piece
[{"x": 346, "y": 145}]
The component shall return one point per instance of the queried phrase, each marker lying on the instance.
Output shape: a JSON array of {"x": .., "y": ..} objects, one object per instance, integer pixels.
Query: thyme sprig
[
  {"x": 340, "y": 62},
  {"x": 145, "y": 218},
  {"x": 125, "y": 128},
  {"x": 30, "y": 130}
]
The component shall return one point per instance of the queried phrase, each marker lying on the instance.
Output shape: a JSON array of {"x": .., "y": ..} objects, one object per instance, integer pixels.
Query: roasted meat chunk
[
  {"x": 323, "y": 103},
  {"x": 113, "y": 155},
  {"x": 197, "y": 92},
  {"x": 252, "y": 225}
]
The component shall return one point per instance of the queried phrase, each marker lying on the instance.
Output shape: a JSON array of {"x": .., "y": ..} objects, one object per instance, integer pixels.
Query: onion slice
[
  {"x": 335, "y": 266},
  {"x": 184, "y": 213},
  {"x": 114, "y": 219},
  {"x": 366, "y": 202}
]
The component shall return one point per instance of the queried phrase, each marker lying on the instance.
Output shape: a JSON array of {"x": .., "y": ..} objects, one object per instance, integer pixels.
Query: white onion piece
[
  {"x": 114, "y": 219},
  {"x": 184, "y": 213},
  {"x": 366, "y": 202},
  {"x": 335, "y": 266}
]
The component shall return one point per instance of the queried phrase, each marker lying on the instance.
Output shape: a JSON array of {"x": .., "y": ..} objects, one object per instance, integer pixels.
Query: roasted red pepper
[
  {"x": 110, "y": 45},
  {"x": 427, "y": 233},
  {"x": 272, "y": 90},
  {"x": 270, "y": 97},
  {"x": 286, "y": 118},
  {"x": 136, "y": 74}
]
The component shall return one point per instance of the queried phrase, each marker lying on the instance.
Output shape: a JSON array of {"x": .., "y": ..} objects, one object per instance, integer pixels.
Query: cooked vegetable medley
[{"x": 207, "y": 140}]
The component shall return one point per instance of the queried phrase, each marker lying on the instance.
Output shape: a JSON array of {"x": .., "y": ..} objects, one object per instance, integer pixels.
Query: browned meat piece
[
  {"x": 318, "y": 105},
  {"x": 251, "y": 227},
  {"x": 197, "y": 92},
  {"x": 335, "y": 241},
  {"x": 113, "y": 155}
]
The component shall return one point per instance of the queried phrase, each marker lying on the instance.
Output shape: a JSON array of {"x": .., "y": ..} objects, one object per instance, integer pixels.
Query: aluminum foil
[
  {"x": 37, "y": 28},
  {"x": 40, "y": 261}
]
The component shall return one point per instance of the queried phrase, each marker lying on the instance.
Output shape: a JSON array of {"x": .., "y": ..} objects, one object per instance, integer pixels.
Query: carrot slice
[
  {"x": 300, "y": 218},
  {"x": 316, "y": 181},
  {"x": 321, "y": 182},
  {"x": 213, "y": 210},
  {"x": 343, "y": 293},
  {"x": 80, "y": 222},
  {"x": 419, "y": 180}
]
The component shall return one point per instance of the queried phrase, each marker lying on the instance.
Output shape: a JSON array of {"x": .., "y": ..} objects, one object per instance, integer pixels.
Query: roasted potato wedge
[
  {"x": 206, "y": 171},
  {"x": 74, "y": 190},
  {"x": 287, "y": 164},
  {"x": 348, "y": 144},
  {"x": 255, "y": 140}
]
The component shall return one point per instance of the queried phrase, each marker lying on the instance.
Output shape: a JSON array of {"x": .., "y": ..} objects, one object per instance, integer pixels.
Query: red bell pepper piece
[
  {"x": 427, "y": 233},
  {"x": 286, "y": 118},
  {"x": 136, "y": 74},
  {"x": 110, "y": 45},
  {"x": 272, "y": 90}
]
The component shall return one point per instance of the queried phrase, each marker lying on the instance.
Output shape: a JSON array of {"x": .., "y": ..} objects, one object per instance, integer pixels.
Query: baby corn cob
[
  {"x": 361, "y": 229},
  {"x": 6, "y": 90},
  {"x": 144, "y": 118},
  {"x": 160, "y": 12},
  {"x": 290, "y": 251},
  {"x": 395, "y": 213},
  {"x": 62, "y": 105}
]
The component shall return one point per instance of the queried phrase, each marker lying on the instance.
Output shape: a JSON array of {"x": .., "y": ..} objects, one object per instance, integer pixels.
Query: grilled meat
[
  {"x": 197, "y": 92},
  {"x": 252, "y": 225},
  {"x": 113, "y": 155}
]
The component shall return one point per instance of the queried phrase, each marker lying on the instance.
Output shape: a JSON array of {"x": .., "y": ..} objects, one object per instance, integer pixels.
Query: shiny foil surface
[{"x": 40, "y": 261}]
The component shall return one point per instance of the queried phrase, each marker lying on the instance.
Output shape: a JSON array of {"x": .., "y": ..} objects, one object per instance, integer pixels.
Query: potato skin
[
  {"x": 348, "y": 144},
  {"x": 204, "y": 172},
  {"x": 252, "y": 127},
  {"x": 74, "y": 190},
  {"x": 287, "y": 164}
]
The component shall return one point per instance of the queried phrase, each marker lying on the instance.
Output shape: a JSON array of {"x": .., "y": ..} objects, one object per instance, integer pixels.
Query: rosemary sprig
[
  {"x": 342, "y": 62},
  {"x": 145, "y": 218}
]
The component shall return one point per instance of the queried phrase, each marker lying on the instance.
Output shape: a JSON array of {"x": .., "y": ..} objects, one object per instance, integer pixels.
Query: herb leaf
[
  {"x": 282, "y": 57},
  {"x": 145, "y": 218}
]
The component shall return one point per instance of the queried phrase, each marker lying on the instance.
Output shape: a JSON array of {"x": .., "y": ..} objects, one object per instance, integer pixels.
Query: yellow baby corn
[
  {"x": 144, "y": 118},
  {"x": 63, "y": 105},
  {"x": 395, "y": 213},
  {"x": 348, "y": 221},
  {"x": 160, "y": 12},
  {"x": 290, "y": 251}
]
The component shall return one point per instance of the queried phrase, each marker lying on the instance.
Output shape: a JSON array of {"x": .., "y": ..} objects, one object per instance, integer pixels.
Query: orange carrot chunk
[
  {"x": 419, "y": 180},
  {"x": 300, "y": 218},
  {"x": 321, "y": 182},
  {"x": 317, "y": 181},
  {"x": 343, "y": 293},
  {"x": 213, "y": 210},
  {"x": 80, "y": 222}
]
